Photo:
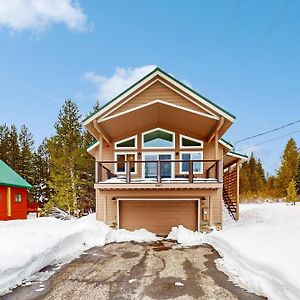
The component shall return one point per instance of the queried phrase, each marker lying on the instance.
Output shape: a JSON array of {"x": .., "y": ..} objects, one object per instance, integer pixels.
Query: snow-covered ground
[
  {"x": 261, "y": 252},
  {"x": 27, "y": 246}
]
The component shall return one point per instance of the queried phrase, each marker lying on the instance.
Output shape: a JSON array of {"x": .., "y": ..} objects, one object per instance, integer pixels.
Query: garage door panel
[{"x": 158, "y": 216}]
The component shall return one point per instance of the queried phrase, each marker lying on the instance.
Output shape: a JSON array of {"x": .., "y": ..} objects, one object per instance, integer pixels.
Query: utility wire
[
  {"x": 266, "y": 132},
  {"x": 233, "y": 17},
  {"x": 270, "y": 140},
  {"x": 267, "y": 32}
]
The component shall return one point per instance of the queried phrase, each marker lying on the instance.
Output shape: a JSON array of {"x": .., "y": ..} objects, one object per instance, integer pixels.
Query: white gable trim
[
  {"x": 93, "y": 146},
  {"x": 161, "y": 102},
  {"x": 180, "y": 87}
]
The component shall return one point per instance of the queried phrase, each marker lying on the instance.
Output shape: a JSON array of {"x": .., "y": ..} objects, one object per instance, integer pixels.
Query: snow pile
[
  {"x": 122, "y": 235},
  {"x": 260, "y": 252},
  {"x": 27, "y": 246}
]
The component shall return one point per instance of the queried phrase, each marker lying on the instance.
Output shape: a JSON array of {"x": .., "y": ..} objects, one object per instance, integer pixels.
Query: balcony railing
[{"x": 158, "y": 171}]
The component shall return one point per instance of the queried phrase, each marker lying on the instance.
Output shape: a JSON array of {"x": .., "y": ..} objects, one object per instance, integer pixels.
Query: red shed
[{"x": 13, "y": 194}]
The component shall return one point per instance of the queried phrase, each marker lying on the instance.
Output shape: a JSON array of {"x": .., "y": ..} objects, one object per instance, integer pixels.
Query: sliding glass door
[{"x": 150, "y": 166}]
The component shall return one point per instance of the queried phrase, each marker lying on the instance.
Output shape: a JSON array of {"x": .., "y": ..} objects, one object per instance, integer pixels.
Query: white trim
[
  {"x": 227, "y": 145},
  {"x": 191, "y": 152},
  {"x": 116, "y": 164},
  {"x": 197, "y": 103},
  {"x": 158, "y": 153},
  {"x": 124, "y": 140},
  {"x": 160, "y": 102},
  {"x": 236, "y": 155},
  {"x": 93, "y": 146},
  {"x": 160, "y": 199},
  {"x": 164, "y": 130},
  {"x": 116, "y": 101},
  {"x": 168, "y": 79},
  {"x": 203, "y": 101},
  {"x": 192, "y": 139}
]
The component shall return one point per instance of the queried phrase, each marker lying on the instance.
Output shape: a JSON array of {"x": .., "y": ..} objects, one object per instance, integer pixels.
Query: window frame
[
  {"x": 192, "y": 139},
  {"x": 191, "y": 152},
  {"x": 161, "y": 147},
  {"x": 116, "y": 163},
  {"x": 134, "y": 137},
  {"x": 16, "y": 196},
  {"x": 159, "y": 153}
]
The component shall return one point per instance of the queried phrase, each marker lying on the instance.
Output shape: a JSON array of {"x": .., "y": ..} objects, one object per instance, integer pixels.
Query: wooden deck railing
[{"x": 209, "y": 169}]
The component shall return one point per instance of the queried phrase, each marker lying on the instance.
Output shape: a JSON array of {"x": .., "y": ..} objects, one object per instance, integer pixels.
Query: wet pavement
[{"x": 160, "y": 270}]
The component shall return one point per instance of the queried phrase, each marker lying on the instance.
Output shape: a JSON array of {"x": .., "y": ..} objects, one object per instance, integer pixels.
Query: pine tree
[
  {"x": 4, "y": 143},
  {"x": 291, "y": 192},
  {"x": 65, "y": 150},
  {"x": 288, "y": 168},
  {"x": 41, "y": 173},
  {"x": 297, "y": 177},
  {"x": 26, "y": 144},
  {"x": 13, "y": 157}
]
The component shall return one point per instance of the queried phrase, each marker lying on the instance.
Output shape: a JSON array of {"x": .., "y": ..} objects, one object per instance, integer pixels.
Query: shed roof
[{"x": 8, "y": 177}]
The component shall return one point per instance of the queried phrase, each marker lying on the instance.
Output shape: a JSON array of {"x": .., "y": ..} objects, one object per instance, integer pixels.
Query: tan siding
[
  {"x": 215, "y": 196},
  {"x": 161, "y": 92}
]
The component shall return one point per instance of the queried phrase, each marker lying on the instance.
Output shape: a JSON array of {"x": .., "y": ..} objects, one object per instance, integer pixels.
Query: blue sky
[{"x": 243, "y": 55}]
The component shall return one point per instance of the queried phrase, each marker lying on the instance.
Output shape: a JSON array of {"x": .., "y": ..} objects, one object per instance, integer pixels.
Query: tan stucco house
[{"x": 161, "y": 160}]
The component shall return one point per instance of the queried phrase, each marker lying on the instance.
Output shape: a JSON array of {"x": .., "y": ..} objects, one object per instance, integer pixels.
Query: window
[
  {"x": 150, "y": 166},
  {"x": 197, "y": 166},
  {"x": 18, "y": 198},
  {"x": 128, "y": 143},
  {"x": 188, "y": 142},
  {"x": 121, "y": 158},
  {"x": 158, "y": 138}
]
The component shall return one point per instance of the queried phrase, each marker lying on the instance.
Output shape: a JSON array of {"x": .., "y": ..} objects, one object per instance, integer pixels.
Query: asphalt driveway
[{"x": 160, "y": 270}]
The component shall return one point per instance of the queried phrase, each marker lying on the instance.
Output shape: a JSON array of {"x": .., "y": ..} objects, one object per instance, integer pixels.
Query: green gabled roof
[
  {"x": 226, "y": 142},
  {"x": 168, "y": 75},
  {"x": 238, "y": 154},
  {"x": 8, "y": 177}
]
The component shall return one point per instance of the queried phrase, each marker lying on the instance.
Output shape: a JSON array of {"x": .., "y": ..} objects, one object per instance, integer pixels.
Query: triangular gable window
[
  {"x": 158, "y": 138},
  {"x": 129, "y": 143},
  {"x": 188, "y": 142}
]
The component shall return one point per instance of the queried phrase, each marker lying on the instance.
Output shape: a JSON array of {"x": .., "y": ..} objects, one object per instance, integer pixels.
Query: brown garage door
[{"x": 158, "y": 216}]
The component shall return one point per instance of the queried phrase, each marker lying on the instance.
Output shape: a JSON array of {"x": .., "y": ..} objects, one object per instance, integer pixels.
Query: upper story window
[
  {"x": 158, "y": 138},
  {"x": 128, "y": 143},
  {"x": 188, "y": 142}
]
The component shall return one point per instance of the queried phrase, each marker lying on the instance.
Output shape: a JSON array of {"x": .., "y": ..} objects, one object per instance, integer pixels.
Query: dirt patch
[{"x": 129, "y": 254}]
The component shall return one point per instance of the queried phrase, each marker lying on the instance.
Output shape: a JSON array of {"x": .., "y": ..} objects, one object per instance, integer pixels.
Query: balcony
[{"x": 158, "y": 172}]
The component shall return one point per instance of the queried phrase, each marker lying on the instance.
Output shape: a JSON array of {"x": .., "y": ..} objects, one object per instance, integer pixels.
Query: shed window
[
  {"x": 188, "y": 142},
  {"x": 129, "y": 143},
  {"x": 158, "y": 138},
  {"x": 18, "y": 198}
]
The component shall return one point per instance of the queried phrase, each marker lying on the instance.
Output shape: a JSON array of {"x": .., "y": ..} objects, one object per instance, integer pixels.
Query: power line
[
  {"x": 270, "y": 140},
  {"x": 268, "y": 31},
  {"x": 233, "y": 17},
  {"x": 266, "y": 132}
]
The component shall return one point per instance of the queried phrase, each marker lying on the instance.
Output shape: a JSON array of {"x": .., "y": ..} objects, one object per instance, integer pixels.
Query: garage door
[{"x": 157, "y": 216}]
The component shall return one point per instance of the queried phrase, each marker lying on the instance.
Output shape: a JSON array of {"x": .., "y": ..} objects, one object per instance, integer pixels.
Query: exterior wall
[
  {"x": 108, "y": 151},
  {"x": 107, "y": 206},
  {"x": 153, "y": 91},
  {"x": 17, "y": 210}
]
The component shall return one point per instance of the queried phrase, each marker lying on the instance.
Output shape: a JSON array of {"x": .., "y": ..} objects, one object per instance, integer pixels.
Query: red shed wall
[{"x": 18, "y": 209}]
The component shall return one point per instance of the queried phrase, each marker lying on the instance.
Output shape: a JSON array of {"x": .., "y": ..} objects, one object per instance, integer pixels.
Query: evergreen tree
[
  {"x": 13, "y": 157},
  {"x": 41, "y": 173},
  {"x": 288, "y": 168},
  {"x": 65, "y": 150},
  {"x": 4, "y": 143},
  {"x": 291, "y": 191},
  {"x": 297, "y": 177},
  {"x": 26, "y": 143}
]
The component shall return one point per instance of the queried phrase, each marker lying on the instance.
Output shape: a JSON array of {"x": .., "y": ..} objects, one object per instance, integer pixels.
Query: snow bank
[
  {"x": 260, "y": 252},
  {"x": 27, "y": 246}
]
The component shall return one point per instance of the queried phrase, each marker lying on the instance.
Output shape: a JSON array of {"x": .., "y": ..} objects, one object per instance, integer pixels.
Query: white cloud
[
  {"x": 37, "y": 15},
  {"x": 109, "y": 87}
]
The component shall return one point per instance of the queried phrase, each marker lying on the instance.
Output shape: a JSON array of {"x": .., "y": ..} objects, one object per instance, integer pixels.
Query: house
[
  {"x": 13, "y": 194},
  {"x": 161, "y": 160}
]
